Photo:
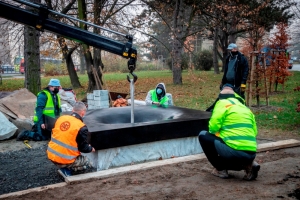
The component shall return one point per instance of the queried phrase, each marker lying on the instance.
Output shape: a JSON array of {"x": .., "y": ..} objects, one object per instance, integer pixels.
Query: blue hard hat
[
  {"x": 232, "y": 46},
  {"x": 54, "y": 82}
]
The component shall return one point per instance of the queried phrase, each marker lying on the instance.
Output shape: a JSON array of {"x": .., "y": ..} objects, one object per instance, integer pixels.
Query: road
[
  {"x": 296, "y": 67},
  {"x": 12, "y": 75}
]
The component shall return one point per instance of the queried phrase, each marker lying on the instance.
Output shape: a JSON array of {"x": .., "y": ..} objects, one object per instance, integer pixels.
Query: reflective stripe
[
  {"x": 238, "y": 125},
  {"x": 48, "y": 108},
  {"x": 249, "y": 138},
  {"x": 63, "y": 144},
  {"x": 231, "y": 101},
  {"x": 60, "y": 154}
]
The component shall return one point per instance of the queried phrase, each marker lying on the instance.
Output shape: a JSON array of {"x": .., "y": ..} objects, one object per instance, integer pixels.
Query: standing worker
[
  {"x": 158, "y": 96},
  {"x": 230, "y": 143},
  {"x": 47, "y": 110},
  {"x": 236, "y": 70},
  {"x": 69, "y": 138}
]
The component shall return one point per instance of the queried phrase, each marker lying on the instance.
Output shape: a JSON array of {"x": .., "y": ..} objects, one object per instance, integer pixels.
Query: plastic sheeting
[
  {"x": 133, "y": 154},
  {"x": 7, "y": 129}
]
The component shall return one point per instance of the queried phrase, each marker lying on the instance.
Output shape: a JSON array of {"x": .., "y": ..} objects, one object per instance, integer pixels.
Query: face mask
[
  {"x": 159, "y": 91},
  {"x": 234, "y": 53},
  {"x": 56, "y": 90}
]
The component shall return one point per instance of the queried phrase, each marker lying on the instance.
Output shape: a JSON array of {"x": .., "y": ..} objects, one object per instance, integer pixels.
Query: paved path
[{"x": 296, "y": 67}]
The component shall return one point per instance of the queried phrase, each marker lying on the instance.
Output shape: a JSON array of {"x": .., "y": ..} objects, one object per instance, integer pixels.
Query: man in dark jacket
[
  {"x": 236, "y": 70},
  {"x": 69, "y": 138}
]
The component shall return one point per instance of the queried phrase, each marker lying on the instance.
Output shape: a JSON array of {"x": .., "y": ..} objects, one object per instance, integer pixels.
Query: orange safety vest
[{"x": 62, "y": 148}]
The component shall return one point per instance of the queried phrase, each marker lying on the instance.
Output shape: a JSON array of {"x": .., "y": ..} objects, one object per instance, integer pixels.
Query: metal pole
[
  {"x": 67, "y": 16},
  {"x": 132, "y": 99}
]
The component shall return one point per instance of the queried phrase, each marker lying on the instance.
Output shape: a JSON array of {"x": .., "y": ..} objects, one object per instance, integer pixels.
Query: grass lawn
[{"x": 198, "y": 91}]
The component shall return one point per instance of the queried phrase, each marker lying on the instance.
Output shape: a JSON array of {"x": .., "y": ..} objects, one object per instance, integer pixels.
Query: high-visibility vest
[
  {"x": 49, "y": 109},
  {"x": 163, "y": 101},
  {"x": 63, "y": 148},
  {"x": 235, "y": 124}
]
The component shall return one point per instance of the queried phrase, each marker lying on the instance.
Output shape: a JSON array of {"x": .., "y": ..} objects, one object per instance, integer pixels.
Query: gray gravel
[{"x": 27, "y": 168}]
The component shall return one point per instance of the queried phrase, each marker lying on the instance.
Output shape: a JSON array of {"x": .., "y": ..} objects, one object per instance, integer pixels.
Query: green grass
[{"x": 198, "y": 91}]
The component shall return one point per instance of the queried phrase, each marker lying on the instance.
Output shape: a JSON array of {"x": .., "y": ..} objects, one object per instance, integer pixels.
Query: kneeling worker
[
  {"x": 158, "y": 96},
  {"x": 69, "y": 138},
  {"x": 230, "y": 143}
]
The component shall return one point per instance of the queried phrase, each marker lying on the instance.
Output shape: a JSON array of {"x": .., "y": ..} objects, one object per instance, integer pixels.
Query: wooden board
[
  {"x": 7, "y": 112},
  {"x": 121, "y": 170},
  {"x": 21, "y": 103},
  {"x": 131, "y": 168},
  {"x": 38, "y": 189},
  {"x": 278, "y": 145}
]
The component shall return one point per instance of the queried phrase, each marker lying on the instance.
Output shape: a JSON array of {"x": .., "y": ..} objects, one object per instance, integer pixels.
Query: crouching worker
[
  {"x": 230, "y": 143},
  {"x": 69, "y": 138},
  {"x": 120, "y": 102}
]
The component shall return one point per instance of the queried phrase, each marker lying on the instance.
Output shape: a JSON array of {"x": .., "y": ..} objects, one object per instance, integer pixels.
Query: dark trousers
[{"x": 221, "y": 156}]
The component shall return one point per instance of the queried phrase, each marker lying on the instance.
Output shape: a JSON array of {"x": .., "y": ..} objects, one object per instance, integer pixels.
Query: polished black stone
[{"x": 112, "y": 127}]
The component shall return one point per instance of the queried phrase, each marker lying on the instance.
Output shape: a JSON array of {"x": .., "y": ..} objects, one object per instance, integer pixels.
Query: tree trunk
[
  {"x": 97, "y": 52},
  {"x": 224, "y": 44},
  {"x": 69, "y": 62},
  {"x": 32, "y": 58},
  {"x": 86, "y": 49},
  {"x": 177, "y": 48},
  {"x": 215, "y": 52},
  {"x": 82, "y": 60}
]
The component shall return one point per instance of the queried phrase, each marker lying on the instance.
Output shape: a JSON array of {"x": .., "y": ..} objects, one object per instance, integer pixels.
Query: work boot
[
  {"x": 251, "y": 171},
  {"x": 66, "y": 171},
  {"x": 25, "y": 135},
  {"x": 221, "y": 174}
]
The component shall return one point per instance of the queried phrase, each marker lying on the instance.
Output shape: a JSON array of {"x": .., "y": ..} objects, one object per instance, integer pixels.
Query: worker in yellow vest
[
  {"x": 230, "y": 143},
  {"x": 47, "y": 110},
  {"x": 69, "y": 138},
  {"x": 158, "y": 96}
]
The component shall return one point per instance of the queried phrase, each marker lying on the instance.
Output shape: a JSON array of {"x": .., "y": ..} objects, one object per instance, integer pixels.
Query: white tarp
[
  {"x": 139, "y": 153},
  {"x": 7, "y": 129}
]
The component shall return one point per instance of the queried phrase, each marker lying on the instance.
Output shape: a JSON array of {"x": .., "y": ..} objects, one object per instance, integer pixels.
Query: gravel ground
[{"x": 30, "y": 167}]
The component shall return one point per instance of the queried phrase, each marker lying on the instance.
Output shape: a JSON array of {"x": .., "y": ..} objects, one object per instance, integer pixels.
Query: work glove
[{"x": 243, "y": 87}]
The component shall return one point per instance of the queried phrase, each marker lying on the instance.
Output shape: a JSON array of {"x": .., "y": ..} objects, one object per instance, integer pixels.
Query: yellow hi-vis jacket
[
  {"x": 163, "y": 101},
  {"x": 49, "y": 109},
  {"x": 62, "y": 148},
  {"x": 235, "y": 124}
]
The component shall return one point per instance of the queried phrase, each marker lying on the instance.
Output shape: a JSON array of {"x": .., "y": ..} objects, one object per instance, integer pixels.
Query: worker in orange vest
[
  {"x": 69, "y": 138},
  {"x": 120, "y": 102}
]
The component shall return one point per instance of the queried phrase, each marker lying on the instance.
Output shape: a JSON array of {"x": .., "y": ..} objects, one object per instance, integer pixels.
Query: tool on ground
[{"x": 26, "y": 143}]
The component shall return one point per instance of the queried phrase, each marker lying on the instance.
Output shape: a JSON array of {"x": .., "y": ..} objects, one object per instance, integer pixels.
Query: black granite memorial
[{"x": 112, "y": 127}]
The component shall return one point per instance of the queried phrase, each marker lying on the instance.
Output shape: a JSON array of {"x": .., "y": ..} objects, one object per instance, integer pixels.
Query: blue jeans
[{"x": 223, "y": 157}]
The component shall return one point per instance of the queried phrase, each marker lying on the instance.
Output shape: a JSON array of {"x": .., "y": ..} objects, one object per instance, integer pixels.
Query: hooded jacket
[{"x": 152, "y": 96}]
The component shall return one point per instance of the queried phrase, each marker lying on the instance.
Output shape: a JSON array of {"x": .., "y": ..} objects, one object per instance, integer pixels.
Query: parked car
[
  {"x": 7, "y": 68},
  {"x": 290, "y": 66}
]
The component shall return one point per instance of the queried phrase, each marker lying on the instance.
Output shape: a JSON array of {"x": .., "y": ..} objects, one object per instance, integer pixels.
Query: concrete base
[{"x": 139, "y": 153}]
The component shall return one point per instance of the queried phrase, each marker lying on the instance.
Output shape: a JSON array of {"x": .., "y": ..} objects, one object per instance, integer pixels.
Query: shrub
[
  {"x": 203, "y": 60},
  {"x": 51, "y": 69}
]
